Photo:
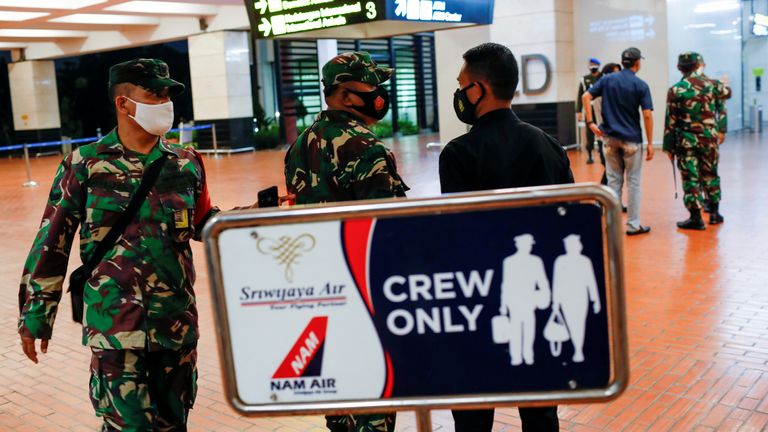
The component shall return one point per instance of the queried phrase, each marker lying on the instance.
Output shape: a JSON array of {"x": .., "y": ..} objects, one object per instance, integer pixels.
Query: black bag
[{"x": 80, "y": 276}]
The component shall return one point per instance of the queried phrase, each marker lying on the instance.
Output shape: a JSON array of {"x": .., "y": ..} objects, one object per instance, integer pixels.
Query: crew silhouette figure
[
  {"x": 573, "y": 288},
  {"x": 523, "y": 273}
]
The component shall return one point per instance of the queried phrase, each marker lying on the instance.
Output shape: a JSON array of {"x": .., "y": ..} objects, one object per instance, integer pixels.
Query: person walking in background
[
  {"x": 691, "y": 134},
  {"x": 140, "y": 318},
  {"x": 500, "y": 151},
  {"x": 339, "y": 158},
  {"x": 587, "y": 81},
  {"x": 624, "y": 95},
  {"x": 597, "y": 108}
]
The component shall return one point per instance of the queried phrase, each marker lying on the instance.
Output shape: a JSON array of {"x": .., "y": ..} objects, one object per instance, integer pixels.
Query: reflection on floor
[{"x": 697, "y": 306}]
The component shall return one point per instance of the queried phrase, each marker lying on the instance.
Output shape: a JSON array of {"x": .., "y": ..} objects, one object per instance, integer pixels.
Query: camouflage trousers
[
  {"x": 698, "y": 169},
  {"x": 137, "y": 390},
  {"x": 361, "y": 423}
]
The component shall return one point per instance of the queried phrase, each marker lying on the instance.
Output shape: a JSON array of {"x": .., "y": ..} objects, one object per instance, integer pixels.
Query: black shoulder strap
[{"x": 108, "y": 242}]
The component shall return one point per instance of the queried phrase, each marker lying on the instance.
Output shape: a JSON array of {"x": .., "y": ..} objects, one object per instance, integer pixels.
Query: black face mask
[
  {"x": 594, "y": 70},
  {"x": 465, "y": 110},
  {"x": 376, "y": 102}
]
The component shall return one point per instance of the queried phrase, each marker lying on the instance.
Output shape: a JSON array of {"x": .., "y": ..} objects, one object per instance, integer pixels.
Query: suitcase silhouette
[{"x": 500, "y": 328}]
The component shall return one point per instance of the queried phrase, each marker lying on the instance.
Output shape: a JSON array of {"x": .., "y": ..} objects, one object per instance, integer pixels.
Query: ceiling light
[
  {"x": 39, "y": 33},
  {"x": 107, "y": 19},
  {"x": 161, "y": 7},
  {"x": 50, "y": 4},
  {"x": 20, "y": 16},
  {"x": 723, "y": 32},
  {"x": 718, "y": 6},
  {"x": 12, "y": 45},
  {"x": 699, "y": 26}
]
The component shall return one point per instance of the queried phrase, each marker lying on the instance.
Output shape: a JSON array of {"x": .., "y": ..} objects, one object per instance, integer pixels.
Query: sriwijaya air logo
[{"x": 286, "y": 250}]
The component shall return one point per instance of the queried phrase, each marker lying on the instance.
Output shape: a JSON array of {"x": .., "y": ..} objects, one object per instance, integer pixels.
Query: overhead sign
[
  {"x": 419, "y": 302},
  {"x": 275, "y": 18}
]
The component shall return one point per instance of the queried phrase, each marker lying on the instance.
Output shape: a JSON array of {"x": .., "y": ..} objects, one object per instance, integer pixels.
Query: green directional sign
[{"x": 273, "y": 18}]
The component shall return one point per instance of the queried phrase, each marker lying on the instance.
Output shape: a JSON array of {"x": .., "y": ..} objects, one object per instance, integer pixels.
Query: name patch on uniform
[{"x": 181, "y": 218}]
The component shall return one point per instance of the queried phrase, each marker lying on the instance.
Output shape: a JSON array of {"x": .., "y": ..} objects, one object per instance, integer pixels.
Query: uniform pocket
[
  {"x": 102, "y": 209},
  {"x": 97, "y": 388},
  {"x": 179, "y": 215}
]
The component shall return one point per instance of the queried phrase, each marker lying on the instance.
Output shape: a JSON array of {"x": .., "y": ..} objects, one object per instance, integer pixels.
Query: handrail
[{"x": 83, "y": 140}]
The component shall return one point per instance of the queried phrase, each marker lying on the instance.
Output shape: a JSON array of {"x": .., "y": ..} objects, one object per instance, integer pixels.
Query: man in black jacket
[{"x": 500, "y": 151}]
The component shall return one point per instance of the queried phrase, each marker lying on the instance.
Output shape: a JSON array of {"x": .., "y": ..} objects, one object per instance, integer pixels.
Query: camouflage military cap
[
  {"x": 354, "y": 66},
  {"x": 689, "y": 58},
  {"x": 149, "y": 74}
]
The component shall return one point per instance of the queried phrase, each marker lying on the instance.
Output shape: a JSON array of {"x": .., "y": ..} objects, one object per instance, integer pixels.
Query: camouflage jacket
[
  {"x": 695, "y": 113},
  {"x": 339, "y": 159},
  {"x": 140, "y": 295}
]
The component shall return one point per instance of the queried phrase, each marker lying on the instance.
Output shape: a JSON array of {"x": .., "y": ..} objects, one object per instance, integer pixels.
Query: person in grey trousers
[{"x": 624, "y": 96}]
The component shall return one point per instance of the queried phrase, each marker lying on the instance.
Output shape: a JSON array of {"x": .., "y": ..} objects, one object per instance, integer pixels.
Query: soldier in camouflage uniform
[
  {"x": 140, "y": 317},
  {"x": 587, "y": 81},
  {"x": 339, "y": 158},
  {"x": 691, "y": 134}
]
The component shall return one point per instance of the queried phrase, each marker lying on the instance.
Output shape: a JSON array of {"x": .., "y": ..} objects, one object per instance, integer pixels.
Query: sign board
[
  {"x": 279, "y": 18},
  {"x": 469, "y": 300}
]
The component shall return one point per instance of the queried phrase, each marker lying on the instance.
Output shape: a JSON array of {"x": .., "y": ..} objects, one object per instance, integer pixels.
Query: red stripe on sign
[
  {"x": 357, "y": 232},
  {"x": 390, "y": 377},
  {"x": 304, "y": 350}
]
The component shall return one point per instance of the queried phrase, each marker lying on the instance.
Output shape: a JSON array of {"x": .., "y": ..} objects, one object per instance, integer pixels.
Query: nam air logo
[{"x": 301, "y": 370}]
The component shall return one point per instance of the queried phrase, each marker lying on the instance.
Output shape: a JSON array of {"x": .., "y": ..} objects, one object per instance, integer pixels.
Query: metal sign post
[
  {"x": 466, "y": 301},
  {"x": 29, "y": 182},
  {"x": 215, "y": 141}
]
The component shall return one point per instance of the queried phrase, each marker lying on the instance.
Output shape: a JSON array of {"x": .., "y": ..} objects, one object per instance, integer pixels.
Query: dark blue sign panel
[
  {"x": 275, "y": 18},
  {"x": 497, "y": 301},
  {"x": 449, "y": 11}
]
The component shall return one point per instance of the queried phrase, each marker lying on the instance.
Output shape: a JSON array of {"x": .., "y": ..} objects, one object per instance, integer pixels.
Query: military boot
[
  {"x": 695, "y": 222},
  {"x": 714, "y": 216}
]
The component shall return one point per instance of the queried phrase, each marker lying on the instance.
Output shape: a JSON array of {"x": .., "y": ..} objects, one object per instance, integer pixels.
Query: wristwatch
[{"x": 590, "y": 122}]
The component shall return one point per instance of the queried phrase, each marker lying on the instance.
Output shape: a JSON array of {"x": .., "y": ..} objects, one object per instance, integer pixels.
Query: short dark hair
[
  {"x": 611, "y": 68},
  {"x": 629, "y": 63},
  {"x": 496, "y": 65},
  {"x": 121, "y": 89},
  {"x": 687, "y": 68}
]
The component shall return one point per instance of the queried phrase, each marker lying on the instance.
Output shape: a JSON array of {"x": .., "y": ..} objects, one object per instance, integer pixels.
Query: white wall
[
  {"x": 716, "y": 36},
  {"x": 34, "y": 96},
  {"x": 604, "y": 28},
  {"x": 755, "y": 55},
  {"x": 220, "y": 73}
]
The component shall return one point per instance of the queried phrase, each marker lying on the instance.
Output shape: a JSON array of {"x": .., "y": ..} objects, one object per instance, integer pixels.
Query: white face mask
[{"x": 155, "y": 119}]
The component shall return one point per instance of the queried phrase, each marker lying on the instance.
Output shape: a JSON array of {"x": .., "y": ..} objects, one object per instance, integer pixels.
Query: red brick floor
[{"x": 697, "y": 307}]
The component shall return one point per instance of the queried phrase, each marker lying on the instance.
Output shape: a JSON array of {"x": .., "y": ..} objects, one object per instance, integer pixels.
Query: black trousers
[{"x": 534, "y": 420}]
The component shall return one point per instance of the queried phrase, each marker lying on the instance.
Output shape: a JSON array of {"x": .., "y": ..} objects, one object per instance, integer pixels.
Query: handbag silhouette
[{"x": 556, "y": 332}]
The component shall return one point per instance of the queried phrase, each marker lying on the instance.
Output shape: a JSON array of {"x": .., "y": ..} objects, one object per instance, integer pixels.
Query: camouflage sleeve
[
  {"x": 723, "y": 94},
  {"x": 670, "y": 122},
  {"x": 579, "y": 106},
  {"x": 374, "y": 174},
  {"x": 46, "y": 265}
]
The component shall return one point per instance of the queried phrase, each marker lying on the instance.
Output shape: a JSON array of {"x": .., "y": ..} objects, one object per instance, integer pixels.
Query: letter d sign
[{"x": 525, "y": 62}]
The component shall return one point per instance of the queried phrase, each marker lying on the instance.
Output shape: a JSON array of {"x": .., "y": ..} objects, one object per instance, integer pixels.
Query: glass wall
[
  {"x": 755, "y": 57},
  {"x": 713, "y": 29},
  {"x": 413, "y": 90}
]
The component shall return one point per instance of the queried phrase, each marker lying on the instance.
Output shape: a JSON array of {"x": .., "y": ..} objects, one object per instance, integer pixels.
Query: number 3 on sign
[{"x": 371, "y": 6}]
